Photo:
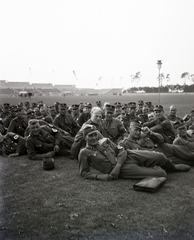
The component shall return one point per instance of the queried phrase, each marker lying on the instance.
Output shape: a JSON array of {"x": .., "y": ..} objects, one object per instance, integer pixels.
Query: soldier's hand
[
  {"x": 14, "y": 155},
  {"x": 145, "y": 130},
  {"x": 56, "y": 148},
  {"x": 50, "y": 154},
  {"x": 116, "y": 171},
  {"x": 104, "y": 177}
]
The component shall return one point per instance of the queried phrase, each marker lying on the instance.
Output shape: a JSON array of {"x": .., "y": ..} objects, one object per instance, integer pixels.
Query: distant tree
[
  {"x": 185, "y": 76},
  {"x": 192, "y": 77}
]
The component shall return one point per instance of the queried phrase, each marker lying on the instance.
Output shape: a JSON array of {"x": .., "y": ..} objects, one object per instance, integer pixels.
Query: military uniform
[
  {"x": 18, "y": 125},
  {"x": 66, "y": 123},
  {"x": 155, "y": 142},
  {"x": 13, "y": 143},
  {"x": 79, "y": 141},
  {"x": 114, "y": 130},
  {"x": 37, "y": 146},
  {"x": 135, "y": 164},
  {"x": 163, "y": 126}
]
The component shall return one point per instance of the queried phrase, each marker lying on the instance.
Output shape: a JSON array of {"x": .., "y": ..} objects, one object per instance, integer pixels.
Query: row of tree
[{"x": 163, "y": 89}]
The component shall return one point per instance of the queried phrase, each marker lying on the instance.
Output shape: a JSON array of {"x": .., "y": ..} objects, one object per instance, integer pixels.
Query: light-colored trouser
[
  {"x": 141, "y": 164},
  {"x": 177, "y": 153}
]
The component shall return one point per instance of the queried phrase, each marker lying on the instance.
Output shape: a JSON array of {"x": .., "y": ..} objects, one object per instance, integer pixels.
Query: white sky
[{"x": 46, "y": 40}]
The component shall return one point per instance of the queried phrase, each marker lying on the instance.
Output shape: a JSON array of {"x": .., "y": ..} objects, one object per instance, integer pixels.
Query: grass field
[{"x": 59, "y": 204}]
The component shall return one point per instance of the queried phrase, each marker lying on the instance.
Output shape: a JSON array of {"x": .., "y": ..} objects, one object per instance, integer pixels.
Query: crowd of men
[{"x": 119, "y": 140}]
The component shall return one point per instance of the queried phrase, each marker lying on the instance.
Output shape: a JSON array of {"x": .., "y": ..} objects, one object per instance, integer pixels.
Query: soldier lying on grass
[
  {"x": 115, "y": 162},
  {"x": 142, "y": 138}
]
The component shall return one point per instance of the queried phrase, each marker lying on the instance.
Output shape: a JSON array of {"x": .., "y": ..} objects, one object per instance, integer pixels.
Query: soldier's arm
[
  {"x": 32, "y": 154},
  {"x": 84, "y": 168}
]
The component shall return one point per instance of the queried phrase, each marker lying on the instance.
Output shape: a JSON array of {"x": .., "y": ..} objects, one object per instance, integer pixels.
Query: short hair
[{"x": 96, "y": 109}]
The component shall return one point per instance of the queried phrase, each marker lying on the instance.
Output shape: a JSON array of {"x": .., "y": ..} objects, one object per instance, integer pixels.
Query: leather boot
[
  {"x": 182, "y": 167},
  {"x": 170, "y": 167}
]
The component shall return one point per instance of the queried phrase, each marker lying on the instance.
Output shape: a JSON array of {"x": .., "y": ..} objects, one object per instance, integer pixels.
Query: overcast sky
[{"x": 103, "y": 42}]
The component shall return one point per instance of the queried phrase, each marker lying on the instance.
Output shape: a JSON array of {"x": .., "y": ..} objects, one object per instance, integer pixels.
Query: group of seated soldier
[{"x": 130, "y": 138}]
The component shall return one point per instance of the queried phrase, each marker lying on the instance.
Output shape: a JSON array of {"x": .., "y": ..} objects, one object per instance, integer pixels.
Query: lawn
[{"x": 59, "y": 204}]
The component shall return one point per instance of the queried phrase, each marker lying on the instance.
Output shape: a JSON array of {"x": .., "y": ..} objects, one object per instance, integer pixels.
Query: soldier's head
[
  {"x": 158, "y": 111},
  {"x": 96, "y": 115},
  {"x": 91, "y": 134},
  {"x": 151, "y": 116},
  {"x": 135, "y": 130},
  {"x": 145, "y": 109},
  {"x": 118, "y": 108},
  {"x": 109, "y": 111},
  {"x": 75, "y": 108},
  {"x": 132, "y": 107},
  {"x": 173, "y": 110},
  {"x": 31, "y": 114},
  {"x": 34, "y": 126},
  {"x": 62, "y": 109},
  {"x": 182, "y": 131},
  {"x": 87, "y": 107}
]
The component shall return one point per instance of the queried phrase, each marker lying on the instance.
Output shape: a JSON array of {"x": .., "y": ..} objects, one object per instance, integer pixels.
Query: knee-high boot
[{"x": 170, "y": 167}]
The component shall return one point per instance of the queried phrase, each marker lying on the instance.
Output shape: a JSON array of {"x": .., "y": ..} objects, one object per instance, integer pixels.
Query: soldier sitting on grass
[
  {"x": 12, "y": 145},
  {"x": 115, "y": 162},
  {"x": 46, "y": 141}
]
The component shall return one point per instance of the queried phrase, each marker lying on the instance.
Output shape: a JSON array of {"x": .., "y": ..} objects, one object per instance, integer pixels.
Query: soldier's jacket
[
  {"x": 79, "y": 140},
  {"x": 66, "y": 123},
  {"x": 84, "y": 117},
  {"x": 7, "y": 120},
  {"x": 173, "y": 119},
  {"x": 13, "y": 143},
  {"x": 17, "y": 125},
  {"x": 45, "y": 141},
  {"x": 144, "y": 143},
  {"x": 113, "y": 130},
  {"x": 103, "y": 159},
  {"x": 144, "y": 117},
  {"x": 164, "y": 127}
]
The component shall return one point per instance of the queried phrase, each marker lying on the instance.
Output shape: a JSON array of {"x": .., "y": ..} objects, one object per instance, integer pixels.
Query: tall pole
[{"x": 159, "y": 64}]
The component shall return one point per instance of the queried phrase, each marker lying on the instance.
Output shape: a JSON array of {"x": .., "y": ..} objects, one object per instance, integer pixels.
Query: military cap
[
  {"x": 117, "y": 104},
  {"x": 6, "y": 105},
  {"x": 75, "y": 106},
  {"x": 132, "y": 104},
  {"x": 149, "y": 103},
  {"x": 140, "y": 102},
  {"x": 34, "y": 104},
  {"x": 15, "y": 108},
  {"x": 109, "y": 108},
  {"x": 30, "y": 111},
  {"x": 88, "y": 105},
  {"x": 88, "y": 129},
  {"x": 136, "y": 124},
  {"x": 158, "y": 108},
  {"x": 63, "y": 105},
  {"x": 48, "y": 164},
  {"x": 123, "y": 107},
  {"x": 26, "y": 103}
]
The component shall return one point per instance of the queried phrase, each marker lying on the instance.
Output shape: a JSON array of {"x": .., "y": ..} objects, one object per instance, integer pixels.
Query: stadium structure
[{"x": 25, "y": 89}]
